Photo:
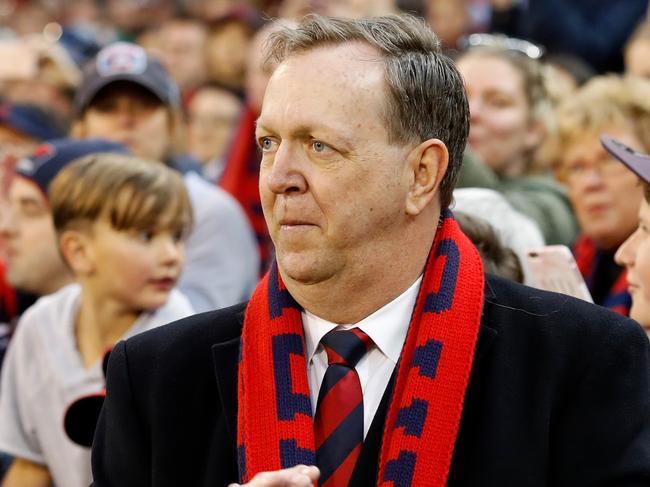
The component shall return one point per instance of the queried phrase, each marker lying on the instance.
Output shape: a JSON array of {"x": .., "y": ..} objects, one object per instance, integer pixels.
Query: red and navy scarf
[
  {"x": 588, "y": 257},
  {"x": 275, "y": 425}
]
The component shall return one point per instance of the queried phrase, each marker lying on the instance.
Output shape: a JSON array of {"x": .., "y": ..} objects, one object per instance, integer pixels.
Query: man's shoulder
[
  {"x": 198, "y": 330},
  {"x": 518, "y": 309}
]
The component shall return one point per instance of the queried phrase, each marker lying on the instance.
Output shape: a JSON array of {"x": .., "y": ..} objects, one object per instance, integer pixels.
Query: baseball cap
[
  {"x": 123, "y": 61},
  {"x": 49, "y": 158},
  {"x": 30, "y": 120},
  {"x": 637, "y": 162}
]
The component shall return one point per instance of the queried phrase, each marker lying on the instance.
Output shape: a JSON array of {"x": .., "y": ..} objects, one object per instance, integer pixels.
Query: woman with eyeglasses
[
  {"x": 508, "y": 103},
  {"x": 605, "y": 195}
]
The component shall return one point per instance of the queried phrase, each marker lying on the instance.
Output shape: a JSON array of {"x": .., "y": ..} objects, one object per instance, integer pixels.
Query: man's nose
[
  {"x": 126, "y": 113},
  {"x": 286, "y": 172}
]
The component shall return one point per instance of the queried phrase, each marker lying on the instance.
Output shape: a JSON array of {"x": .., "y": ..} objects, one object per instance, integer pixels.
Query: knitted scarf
[
  {"x": 588, "y": 256},
  {"x": 275, "y": 426}
]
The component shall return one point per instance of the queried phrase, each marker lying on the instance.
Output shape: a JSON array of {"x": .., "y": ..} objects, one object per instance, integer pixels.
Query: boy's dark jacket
[{"x": 559, "y": 395}]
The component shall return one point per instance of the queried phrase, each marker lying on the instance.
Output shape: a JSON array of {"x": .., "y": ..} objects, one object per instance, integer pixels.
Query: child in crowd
[{"x": 121, "y": 222}]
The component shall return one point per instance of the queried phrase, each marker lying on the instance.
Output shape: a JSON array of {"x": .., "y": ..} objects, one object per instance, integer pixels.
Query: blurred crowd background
[{"x": 545, "y": 79}]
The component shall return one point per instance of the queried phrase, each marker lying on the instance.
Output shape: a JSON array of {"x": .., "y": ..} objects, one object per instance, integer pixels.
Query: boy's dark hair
[
  {"x": 497, "y": 258},
  {"x": 132, "y": 193}
]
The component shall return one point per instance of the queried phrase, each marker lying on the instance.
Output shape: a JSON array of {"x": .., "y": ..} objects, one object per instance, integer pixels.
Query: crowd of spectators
[{"x": 181, "y": 83}]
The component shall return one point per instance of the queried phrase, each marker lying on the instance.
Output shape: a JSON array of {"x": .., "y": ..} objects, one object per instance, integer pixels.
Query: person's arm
[{"x": 24, "y": 473}]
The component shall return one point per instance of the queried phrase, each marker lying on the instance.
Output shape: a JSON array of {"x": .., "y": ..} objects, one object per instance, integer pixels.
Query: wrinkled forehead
[{"x": 344, "y": 81}]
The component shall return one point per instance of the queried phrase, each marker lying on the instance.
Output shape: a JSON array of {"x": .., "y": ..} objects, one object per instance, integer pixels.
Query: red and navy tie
[{"x": 338, "y": 426}]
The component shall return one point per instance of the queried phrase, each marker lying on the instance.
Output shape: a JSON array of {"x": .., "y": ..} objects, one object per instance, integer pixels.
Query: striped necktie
[{"x": 338, "y": 425}]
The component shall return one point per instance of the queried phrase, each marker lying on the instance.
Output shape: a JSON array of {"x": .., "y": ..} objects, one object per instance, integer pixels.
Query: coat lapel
[{"x": 225, "y": 356}]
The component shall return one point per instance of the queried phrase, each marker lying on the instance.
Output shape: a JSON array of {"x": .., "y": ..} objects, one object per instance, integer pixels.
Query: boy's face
[
  {"x": 134, "y": 269},
  {"x": 34, "y": 263}
]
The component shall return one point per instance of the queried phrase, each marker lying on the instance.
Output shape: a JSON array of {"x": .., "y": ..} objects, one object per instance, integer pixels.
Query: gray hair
[{"x": 426, "y": 97}]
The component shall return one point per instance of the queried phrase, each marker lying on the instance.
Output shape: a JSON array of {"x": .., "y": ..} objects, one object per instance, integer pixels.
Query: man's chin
[{"x": 302, "y": 269}]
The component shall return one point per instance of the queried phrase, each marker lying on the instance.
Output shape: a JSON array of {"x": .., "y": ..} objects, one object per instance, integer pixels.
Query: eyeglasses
[
  {"x": 500, "y": 41},
  {"x": 606, "y": 167}
]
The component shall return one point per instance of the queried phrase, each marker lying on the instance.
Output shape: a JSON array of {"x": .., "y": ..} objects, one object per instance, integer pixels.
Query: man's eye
[
  {"x": 319, "y": 146},
  {"x": 266, "y": 144}
]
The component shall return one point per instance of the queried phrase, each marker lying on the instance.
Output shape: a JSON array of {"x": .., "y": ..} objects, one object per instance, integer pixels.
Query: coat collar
[{"x": 225, "y": 356}]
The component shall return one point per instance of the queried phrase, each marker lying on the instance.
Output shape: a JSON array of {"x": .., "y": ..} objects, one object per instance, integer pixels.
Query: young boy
[{"x": 120, "y": 222}]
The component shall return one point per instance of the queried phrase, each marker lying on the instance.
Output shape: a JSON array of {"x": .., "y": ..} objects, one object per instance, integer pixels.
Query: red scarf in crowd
[
  {"x": 588, "y": 256},
  {"x": 275, "y": 425},
  {"x": 241, "y": 176}
]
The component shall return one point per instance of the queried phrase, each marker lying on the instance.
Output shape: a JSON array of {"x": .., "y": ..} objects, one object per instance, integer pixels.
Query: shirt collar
[{"x": 387, "y": 327}]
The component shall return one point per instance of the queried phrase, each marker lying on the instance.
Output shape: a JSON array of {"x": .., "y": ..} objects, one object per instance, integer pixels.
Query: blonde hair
[
  {"x": 132, "y": 193},
  {"x": 603, "y": 102}
]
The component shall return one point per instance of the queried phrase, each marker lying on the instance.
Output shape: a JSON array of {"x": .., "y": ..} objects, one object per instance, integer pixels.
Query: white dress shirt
[{"x": 387, "y": 327}]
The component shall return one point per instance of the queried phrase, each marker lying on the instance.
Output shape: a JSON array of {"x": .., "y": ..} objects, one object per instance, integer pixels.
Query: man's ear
[
  {"x": 428, "y": 165},
  {"x": 77, "y": 252}
]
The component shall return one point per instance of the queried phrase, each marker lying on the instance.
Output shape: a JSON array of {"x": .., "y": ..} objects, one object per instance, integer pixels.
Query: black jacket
[{"x": 559, "y": 395}]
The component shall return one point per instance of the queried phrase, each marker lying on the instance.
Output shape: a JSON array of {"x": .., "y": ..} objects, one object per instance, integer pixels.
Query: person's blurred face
[
  {"x": 130, "y": 115},
  {"x": 34, "y": 263},
  {"x": 182, "y": 47},
  {"x": 634, "y": 254},
  {"x": 15, "y": 143},
  {"x": 637, "y": 58},
  {"x": 212, "y": 114},
  {"x": 333, "y": 189},
  {"x": 226, "y": 50},
  {"x": 604, "y": 194},
  {"x": 449, "y": 19},
  {"x": 501, "y": 130}
]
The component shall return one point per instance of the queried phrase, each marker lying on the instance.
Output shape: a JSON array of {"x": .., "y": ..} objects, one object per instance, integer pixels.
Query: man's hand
[{"x": 298, "y": 476}]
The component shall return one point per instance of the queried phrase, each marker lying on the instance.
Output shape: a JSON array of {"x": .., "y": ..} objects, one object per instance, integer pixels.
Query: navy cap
[
  {"x": 30, "y": 120},
  {"x": 49, "y": 158},
  {"x": 637, "y": 162},
  {"x": 123, "y": 61}
]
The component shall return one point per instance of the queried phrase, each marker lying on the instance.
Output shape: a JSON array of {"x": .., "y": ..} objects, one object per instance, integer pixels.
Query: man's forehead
[{"x": 350, "y": 60}]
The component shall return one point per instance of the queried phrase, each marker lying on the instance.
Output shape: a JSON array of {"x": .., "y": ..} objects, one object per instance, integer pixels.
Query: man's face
[
  {"x": 634, "y": 254},
  {"x": 212, "y": 117},
  {"x": 131, "y": 115},
  {"x": 33, "y": 260},
  {"x": 15, "y": 143},
  {"x": 604, "y": 194},
  {"x": 182, "y": 46},
  {"x": 333, "y": 188}
]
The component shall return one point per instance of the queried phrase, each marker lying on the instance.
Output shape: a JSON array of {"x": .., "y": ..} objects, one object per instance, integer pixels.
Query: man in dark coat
[{"x": 375, "y": 349}]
